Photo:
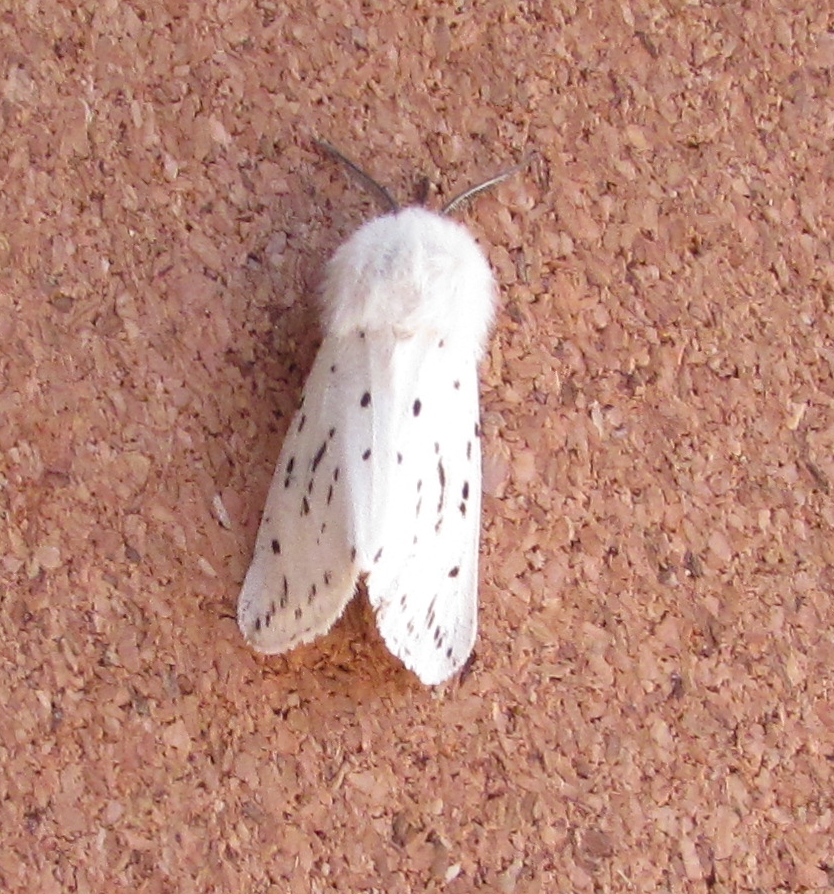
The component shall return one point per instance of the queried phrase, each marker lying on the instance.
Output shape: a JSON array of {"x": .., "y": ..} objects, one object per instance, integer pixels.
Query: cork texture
[{"x": 649, "y": 706}]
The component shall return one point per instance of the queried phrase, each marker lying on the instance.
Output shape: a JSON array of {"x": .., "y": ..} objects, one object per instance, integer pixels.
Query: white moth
[{"x": 380, "y": 472}]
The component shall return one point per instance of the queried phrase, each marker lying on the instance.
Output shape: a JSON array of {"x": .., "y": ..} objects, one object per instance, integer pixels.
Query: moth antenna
[
  {"x": 377, "y": 189},
  {"x": 473, "y": 191}
]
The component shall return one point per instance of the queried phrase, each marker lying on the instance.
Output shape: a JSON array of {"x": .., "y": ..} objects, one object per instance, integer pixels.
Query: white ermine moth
[{"x": 380, "y": 472}]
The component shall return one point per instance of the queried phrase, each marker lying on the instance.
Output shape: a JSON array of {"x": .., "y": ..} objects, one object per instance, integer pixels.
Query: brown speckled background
[{"x": 650, "y": 707}]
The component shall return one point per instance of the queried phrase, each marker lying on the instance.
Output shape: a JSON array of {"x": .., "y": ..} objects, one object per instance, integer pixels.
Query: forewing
[
  {"x": 423, "y": 542},
  {"x": 304, "y": 568}
]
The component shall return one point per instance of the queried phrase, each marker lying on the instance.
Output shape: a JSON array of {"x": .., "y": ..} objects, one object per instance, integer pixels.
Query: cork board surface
[{"x": 650, "y": 703}]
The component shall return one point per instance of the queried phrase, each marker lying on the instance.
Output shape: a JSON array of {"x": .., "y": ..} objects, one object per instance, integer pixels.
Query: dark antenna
[
  {"x": 473, "y": 191},
  {"x": 390, "y": 202},
  {"x": 370, "y": 184}
]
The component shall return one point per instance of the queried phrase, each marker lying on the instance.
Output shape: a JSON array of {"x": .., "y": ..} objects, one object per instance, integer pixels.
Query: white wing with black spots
[
  {"x": 304, "y": 568},
  {"x": 424, "y": 586}
]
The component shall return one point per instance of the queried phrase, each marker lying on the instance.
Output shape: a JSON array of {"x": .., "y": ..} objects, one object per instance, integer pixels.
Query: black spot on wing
[
  {"x": 305, "y": 506},
  {"x": 276, "y": 547},
  {"x": 285, "y": 594},
  {"x": 441, "y": 474},
  {"x": 454, "y": 572},
  {"x": 301, "y": 422},
  {"x": 417, "y": 407},
  {"x": 430, "y": 615},
  {"x": 319, "y": 456},
  {"x": 367, "y": 454},
  {"x": 366, "y": 399}
]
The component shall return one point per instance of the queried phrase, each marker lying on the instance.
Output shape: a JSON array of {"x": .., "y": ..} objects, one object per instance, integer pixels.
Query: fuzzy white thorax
[{"x": 411, "y": 270}]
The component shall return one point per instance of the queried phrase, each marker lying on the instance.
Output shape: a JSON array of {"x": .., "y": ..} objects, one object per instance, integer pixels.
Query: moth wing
[
  {"x": 304, "y": 568},
  {"x": 421, "y": 537}
]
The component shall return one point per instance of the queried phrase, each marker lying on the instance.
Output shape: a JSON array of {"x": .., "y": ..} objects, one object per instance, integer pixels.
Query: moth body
[{"x": 380, "y": 471}]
